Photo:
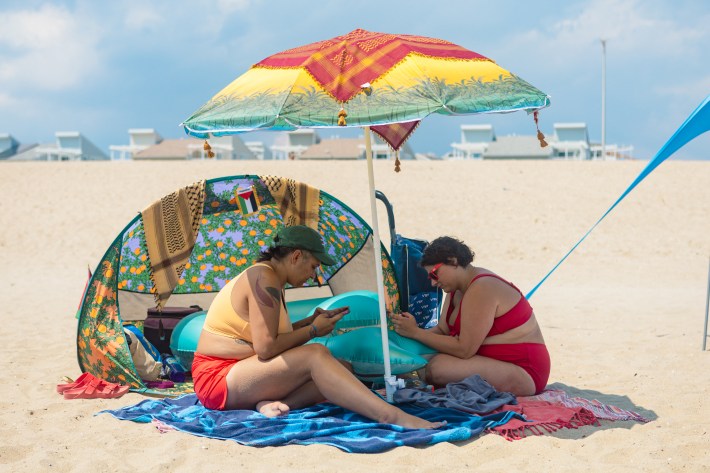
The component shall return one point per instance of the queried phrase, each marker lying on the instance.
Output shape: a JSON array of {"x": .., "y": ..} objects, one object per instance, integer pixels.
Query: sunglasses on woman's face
[{"x": 434, "y": 273}]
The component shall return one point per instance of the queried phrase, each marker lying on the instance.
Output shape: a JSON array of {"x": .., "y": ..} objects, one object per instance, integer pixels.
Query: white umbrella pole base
[{"x": 392, "y": 384}]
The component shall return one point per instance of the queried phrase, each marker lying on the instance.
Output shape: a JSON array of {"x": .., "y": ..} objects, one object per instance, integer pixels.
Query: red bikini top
[{"x": 515, "y": 317}]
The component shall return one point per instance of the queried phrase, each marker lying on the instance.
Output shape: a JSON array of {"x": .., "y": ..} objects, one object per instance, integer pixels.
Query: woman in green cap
[{"x": 250, "y": 356}]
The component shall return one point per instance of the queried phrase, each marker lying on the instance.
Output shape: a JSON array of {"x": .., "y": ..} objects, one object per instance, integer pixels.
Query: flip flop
[
  {"x": 73, "y": 384},
  {"x": 96, "y": 388},
  {"x": 117, "y": 390}
]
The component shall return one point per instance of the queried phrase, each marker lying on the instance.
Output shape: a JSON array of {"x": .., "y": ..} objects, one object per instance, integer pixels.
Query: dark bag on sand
[{"x": 159, "y": 325}]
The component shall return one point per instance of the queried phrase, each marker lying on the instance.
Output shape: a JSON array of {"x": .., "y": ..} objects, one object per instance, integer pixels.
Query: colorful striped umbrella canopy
[
  {"x": 381, "y": 82},
  {"x": 385, "y": 81}
]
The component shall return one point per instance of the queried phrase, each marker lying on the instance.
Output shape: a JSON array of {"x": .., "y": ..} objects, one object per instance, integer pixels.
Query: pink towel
[
  {"x": 601, "y": 411},
  {"x": 544, "y": 417}
]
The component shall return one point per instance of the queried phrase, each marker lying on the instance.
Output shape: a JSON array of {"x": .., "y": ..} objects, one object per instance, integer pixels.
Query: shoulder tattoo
[{"x": 268, "y": 296}]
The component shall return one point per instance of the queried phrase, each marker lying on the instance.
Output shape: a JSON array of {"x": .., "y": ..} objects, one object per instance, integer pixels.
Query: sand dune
[{"x": 623, "y": 317}]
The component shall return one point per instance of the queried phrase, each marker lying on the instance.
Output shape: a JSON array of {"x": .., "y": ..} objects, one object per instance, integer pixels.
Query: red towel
[{"x": 544, "y": 417}]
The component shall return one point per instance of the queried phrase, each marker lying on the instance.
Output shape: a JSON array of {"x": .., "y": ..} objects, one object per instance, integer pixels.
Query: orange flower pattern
[{"x": 101, "y": 342}]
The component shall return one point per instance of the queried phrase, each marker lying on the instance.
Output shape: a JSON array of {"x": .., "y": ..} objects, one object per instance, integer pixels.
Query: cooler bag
[{"x": 159, "y": 325}]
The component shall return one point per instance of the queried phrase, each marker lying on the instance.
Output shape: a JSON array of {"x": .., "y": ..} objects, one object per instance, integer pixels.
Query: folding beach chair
[{"x": 417, "y": 295}]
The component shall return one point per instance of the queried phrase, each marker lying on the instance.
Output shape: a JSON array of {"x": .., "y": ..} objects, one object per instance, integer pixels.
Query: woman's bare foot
[
  {"x": 272, "y": 408},
  {"x": 413, "y": 422},
  {"x": 399, "y": 417}
]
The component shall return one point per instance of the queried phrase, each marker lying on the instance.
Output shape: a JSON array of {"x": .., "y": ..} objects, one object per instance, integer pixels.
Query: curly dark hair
[{"x": 444, "y": 249}]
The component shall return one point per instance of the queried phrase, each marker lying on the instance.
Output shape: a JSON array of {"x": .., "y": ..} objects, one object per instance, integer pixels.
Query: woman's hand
[
  {"x": 405, "y": 324},
  {"x": 325, "y": 320},
  {"x": 331, "y": 312}
]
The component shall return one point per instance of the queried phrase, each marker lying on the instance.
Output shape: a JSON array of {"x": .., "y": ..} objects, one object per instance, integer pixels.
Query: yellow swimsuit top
[{"x": 223, "y": 320}]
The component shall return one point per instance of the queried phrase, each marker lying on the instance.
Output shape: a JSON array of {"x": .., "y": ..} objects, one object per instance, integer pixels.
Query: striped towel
[
  {"x": 600, "y": 411},
  {"x": 554, "y": 409},
  {"x": 171, "y": 226},
  {"x": 298, "y": 203},
  {"x": 541, "y": 417}
]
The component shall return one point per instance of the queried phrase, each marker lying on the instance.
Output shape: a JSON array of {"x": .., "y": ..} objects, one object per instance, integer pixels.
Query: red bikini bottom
[
  {"x": 532, "y": 357},
  {"x": 209, "y": 374}
]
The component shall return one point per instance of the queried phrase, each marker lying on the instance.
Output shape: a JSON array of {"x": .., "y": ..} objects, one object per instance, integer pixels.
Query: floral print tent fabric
[{"x": 228, "y": 242}]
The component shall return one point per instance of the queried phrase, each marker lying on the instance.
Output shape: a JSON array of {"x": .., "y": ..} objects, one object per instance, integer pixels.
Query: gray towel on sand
[{"x": 473, "y": 395}]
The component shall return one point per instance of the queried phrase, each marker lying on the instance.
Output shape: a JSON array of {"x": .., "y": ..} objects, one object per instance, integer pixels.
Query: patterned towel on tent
[
  {"x": 323, "y": 423},
  {"x": 298, "y": 202},
  {"x": 171, "y": 226}
]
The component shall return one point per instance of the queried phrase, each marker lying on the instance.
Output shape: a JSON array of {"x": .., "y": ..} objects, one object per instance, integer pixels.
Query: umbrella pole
[{"x": 390, "y": 380}]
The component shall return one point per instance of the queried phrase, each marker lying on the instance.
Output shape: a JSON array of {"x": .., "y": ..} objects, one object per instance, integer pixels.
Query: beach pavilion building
[
  {"x": 569, "y": 141},
  {"x": 68, "y": 146},
  {"x": 475, "y": 140},
  {"x": 292, "y": 144},
  {"x": 138, "y": 140},
  {"x": 228, "y": 147},
  {"x": 517, "y": 147},
  {"x": 224, "y": 147},
  {"x": 353, "y": 148},
  {"x": 260, "y": 151},
  {"x": 8, "y": 145}
]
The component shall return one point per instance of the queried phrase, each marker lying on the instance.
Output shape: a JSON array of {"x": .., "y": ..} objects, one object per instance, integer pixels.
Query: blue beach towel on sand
[{"x": 323, "y": 423}]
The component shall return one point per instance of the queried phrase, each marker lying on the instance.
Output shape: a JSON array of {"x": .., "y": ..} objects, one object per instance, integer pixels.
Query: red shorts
[
  {"x": 532, "y": 357},
  {"x": 209, "y": 374}
]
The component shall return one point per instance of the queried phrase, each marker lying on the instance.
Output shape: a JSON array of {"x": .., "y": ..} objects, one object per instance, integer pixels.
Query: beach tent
[{"x": 239, "y": 217}]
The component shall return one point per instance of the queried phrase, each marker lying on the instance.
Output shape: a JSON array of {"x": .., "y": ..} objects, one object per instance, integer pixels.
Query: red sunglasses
[{"x": 433, "y": 274}]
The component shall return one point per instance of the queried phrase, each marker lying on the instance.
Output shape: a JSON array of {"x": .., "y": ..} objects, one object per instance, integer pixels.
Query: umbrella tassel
[
  {"x": 396, "y": 161},
  {"x": 341, "y": 117},
  {"x": 540, "y": 136},
  {"x": 208, "y": 148}
]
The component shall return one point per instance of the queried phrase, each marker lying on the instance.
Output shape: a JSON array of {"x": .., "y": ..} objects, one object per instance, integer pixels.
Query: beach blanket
[
  {"x": 171, "y": 226},
  {"x": 298, "y": 203},
  {"x": 320, "y": 424}
]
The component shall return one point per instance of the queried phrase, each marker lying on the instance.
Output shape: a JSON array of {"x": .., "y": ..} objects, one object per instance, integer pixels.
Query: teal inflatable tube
[
  {"x": 362, "y": 348},
  {"x": 183, "y": 341},
  {"x": 364, "y": 309}
]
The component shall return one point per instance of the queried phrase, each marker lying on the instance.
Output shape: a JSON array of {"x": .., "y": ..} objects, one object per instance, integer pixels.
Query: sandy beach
[{"x": 622, "y": 317}]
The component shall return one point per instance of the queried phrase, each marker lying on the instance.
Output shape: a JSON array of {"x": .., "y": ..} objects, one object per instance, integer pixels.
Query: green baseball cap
[{"x": 304, "y": 238}]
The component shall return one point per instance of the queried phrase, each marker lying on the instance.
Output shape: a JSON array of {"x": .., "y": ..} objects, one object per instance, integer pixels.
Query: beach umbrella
[{"x": 382, "y": 82}]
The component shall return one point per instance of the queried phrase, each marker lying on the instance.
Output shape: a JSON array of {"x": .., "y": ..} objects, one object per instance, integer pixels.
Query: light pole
[{"x": 603, "y": 98}]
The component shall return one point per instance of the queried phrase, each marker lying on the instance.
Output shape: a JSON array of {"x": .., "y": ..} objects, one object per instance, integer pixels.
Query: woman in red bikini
[
  {"x": 250, "y": 355},
  {"x": 487, "y": 326}
]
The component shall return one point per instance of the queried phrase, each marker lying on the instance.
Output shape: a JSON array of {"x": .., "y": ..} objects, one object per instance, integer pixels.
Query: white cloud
[
  {"x": 6, "y": 101},
  {"x": 231, "y": 6},
  {"x": 630, "y": 25},
  {"x": 634, "y": 29},
  {"x": 141, "y": 17},
  {"x": 49, "y": 48},
  {"x": 690, "y": 87}
]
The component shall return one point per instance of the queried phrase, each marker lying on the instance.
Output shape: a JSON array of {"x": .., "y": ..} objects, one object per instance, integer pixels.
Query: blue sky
[{"x": 104, "y": 67}]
